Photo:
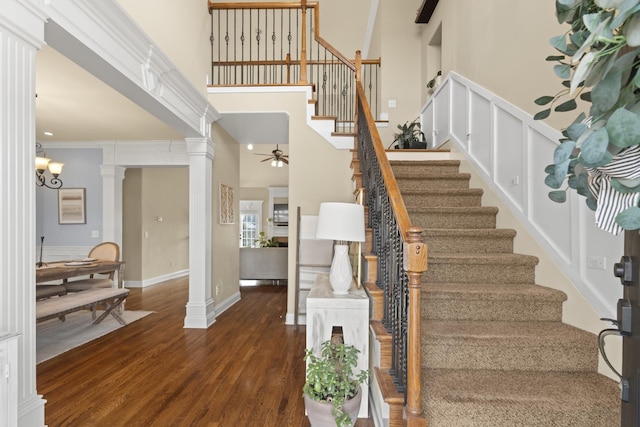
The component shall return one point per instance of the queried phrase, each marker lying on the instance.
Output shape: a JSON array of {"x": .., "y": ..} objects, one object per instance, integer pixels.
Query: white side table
[{"x": 351, "y": 312}]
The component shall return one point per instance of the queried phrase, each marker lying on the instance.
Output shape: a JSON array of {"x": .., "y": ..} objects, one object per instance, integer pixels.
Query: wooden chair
[{"x": 108, "y": 251}]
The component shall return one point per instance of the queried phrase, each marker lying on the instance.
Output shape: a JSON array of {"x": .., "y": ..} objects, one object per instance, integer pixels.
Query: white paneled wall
[{"x": 510, "y": 150}]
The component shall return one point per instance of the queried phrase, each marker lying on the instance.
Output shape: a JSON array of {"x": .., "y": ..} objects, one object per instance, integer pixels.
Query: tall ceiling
[{"x": 74, "y": 105}]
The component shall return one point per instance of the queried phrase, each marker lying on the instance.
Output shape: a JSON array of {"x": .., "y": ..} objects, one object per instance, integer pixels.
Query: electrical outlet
[
  {"x": 217, "y": 290},
  {"x": 597, "y": 263},
  {"x": 392, "y": 103}
]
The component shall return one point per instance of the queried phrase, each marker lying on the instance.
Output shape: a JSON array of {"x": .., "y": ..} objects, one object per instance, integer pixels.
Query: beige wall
[
  {"x": 225, "y": 269},
  {"x": 132, "y": 224},
  {"x": 317, "y": 171},
  {"x": 400, "y": 43},
  {"x": 500, "y": 45},
  {"x": 181, "y": 29},
  {"x": 154, "y": 248}
]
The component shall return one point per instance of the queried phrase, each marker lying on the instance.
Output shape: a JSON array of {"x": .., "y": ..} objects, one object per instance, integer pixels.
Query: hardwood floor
[{"x": 245, "y": 370}]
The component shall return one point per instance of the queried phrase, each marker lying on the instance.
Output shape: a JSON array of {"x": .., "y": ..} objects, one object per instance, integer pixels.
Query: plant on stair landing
[
  {"x": 599, "y": 156},
  {"x": 331, "y": 380},
  {"x": 410, "y": 136}
]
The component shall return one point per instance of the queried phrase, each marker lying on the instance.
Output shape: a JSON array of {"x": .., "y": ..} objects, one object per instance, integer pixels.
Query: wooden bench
[{"x": 110, "y": 298}]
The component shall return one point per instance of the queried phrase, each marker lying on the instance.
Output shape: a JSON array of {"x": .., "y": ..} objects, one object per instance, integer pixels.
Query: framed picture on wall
[
  {"x": 71, "y": 206},
  {"x": 226, "y": 205}
]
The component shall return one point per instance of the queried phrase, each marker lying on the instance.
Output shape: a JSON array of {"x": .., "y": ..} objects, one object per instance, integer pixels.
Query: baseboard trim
[{"x": 155, "y": 280}]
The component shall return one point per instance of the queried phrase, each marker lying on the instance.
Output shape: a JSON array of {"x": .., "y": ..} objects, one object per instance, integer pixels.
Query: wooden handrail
[
  {"x": 259, "y": 5},
  {"x": 389, "y": 178},
  {"x": 415, "y": 259}
]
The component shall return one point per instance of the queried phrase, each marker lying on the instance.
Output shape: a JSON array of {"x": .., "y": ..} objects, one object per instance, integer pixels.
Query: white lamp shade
[
  {"x": 41, "y": 163},
  {"x": 341, "y": 221},
  {"x": 55, "y": 168}
]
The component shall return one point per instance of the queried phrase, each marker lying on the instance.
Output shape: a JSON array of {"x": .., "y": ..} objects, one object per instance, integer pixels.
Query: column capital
[{"x": 200, "y": 146}]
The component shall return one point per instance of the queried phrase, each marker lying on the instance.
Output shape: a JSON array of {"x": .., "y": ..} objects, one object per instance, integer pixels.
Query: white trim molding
[{"x": 510, "y": 151}]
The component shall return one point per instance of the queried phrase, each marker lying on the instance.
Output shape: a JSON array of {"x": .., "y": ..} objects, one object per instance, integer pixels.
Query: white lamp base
[{"x": 340, "y": 275}]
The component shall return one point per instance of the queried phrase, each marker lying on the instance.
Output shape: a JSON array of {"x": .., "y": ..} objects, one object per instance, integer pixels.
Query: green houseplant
[
  {"x": 410, "y": 136},
  {"x": 266, "y": 242},
  {"x": 599, "y": 156},
  {"x": 332, "y": 386}
]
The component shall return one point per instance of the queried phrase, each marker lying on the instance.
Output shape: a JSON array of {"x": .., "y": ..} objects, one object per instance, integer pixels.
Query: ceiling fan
[{"x": 277, "y": 157}]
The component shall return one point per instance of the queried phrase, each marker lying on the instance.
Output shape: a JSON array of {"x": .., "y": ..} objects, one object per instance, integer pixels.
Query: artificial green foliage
[
  {"x": 330, "y": 377},
  {"x": 410, "y": 135},
  {"x": 598, "y": 63},
  {"x": 264, "y": 242}
]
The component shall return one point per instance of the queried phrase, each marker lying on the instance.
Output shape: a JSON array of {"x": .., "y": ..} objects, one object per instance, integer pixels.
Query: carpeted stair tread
[
  {"x": 511, "y": 333},
  {"x": 422, "y": 166},
  {"x": 527, "y": 346},
  {"x": 453, "y": 217},
  {"x": 429, "y": 175},
  {"x": 479, "y": 240},
  {"x": 492, "y": 291},
  {"x": 441, "y": 181},
  {"x": 475, "y": 398},
  {"x": 491, "y": 301},
  {"x": 493, "y": 258},
  {"x": 450, "y": 197}
]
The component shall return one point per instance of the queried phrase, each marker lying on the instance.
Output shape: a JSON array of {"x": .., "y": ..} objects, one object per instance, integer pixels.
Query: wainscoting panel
[{"x": 510, "y": 151}]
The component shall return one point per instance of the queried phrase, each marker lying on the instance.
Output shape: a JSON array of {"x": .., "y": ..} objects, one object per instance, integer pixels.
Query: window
[{"x": 250, "y": 222}]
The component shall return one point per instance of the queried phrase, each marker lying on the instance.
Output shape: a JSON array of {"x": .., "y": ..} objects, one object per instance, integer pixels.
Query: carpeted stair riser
[
  {"x": 469, "y": 241},
  {"x": 450, "y": 218},
  {"x": 498, "y": 268},
  {"x": 440, "y": 181},
  {"x": 413, "y": 168},
  {"x": 466, "y": 398},
  {"x": 498, "y": 302},
  {"x": 524, "y": 346},
  {"x": 442, "y": 198}
]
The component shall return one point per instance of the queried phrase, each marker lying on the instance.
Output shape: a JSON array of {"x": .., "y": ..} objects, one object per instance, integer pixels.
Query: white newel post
[
  {"x": 200, "y": 309},
  {"x": 21, "y": 35}
]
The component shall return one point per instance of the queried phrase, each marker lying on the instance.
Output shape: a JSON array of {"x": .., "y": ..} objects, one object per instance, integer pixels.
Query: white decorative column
[
  {"x": 112, "y": 180},
  {"x": 200, "y": 310},
  {"x": 21, "y": 35}
]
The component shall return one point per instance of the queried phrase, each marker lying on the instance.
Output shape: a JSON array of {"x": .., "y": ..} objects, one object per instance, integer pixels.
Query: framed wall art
[
  {"x": 71, "y": 206},
  {"x": 227, "y": 215}
]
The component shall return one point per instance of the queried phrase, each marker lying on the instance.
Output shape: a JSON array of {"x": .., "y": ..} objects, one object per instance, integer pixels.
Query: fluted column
[
  {"x": 200, "y": 310},
  {"x": 21, "y": 35},
  {"x": 112, "y": 180}
]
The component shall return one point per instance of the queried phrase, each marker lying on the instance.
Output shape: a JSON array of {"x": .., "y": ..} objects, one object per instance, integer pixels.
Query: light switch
[
  {"x": 95, "y": 234},
  {"x": 392, "y": 103}
]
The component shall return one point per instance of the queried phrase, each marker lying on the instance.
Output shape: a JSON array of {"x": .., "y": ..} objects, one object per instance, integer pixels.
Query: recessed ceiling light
[
  {"x": 48, "y": 133},
  {"x": 249, "y": 147}
]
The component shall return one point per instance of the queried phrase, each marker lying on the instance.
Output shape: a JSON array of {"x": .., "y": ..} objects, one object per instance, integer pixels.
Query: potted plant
[
  {"x": 265, "y": 242},
  {"x": 332, "y": 392},
  {"x": 599, "y": 154},
  {"x": 410, "y": 136}
]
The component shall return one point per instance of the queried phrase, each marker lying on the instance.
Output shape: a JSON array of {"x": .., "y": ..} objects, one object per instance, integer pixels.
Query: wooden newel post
[
  {"x": 416, "y": 264},
  {"x": 303, "y": 45},
  {"x": 358, "y": 65}
]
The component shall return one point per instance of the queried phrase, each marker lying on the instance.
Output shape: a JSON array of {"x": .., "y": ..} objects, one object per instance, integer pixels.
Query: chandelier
[{"x": 55, "y": 168}]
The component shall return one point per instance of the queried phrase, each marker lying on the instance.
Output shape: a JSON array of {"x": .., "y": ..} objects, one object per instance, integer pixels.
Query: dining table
[{"x": 61, "y": 270}]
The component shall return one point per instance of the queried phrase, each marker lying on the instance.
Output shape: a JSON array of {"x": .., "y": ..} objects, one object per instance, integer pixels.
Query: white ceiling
[{"x": 76, "y": 106}]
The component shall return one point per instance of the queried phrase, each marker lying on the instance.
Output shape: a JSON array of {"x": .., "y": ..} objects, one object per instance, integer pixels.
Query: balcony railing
[{"x": 279, "y": 44}]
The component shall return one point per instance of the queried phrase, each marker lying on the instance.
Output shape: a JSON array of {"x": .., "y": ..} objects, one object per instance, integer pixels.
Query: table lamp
[{"x": 342, "y": 222}]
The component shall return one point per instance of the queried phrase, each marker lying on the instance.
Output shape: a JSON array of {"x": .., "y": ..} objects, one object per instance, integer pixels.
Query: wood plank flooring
[{"x": 245, "y": 370}]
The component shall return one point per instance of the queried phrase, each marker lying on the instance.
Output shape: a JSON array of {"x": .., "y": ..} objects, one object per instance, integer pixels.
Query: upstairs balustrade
[{"x": 280, "y": 44}]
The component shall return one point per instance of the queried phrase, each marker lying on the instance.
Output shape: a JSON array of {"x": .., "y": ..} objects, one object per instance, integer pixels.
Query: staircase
[{"x": 494, "y": 349}]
